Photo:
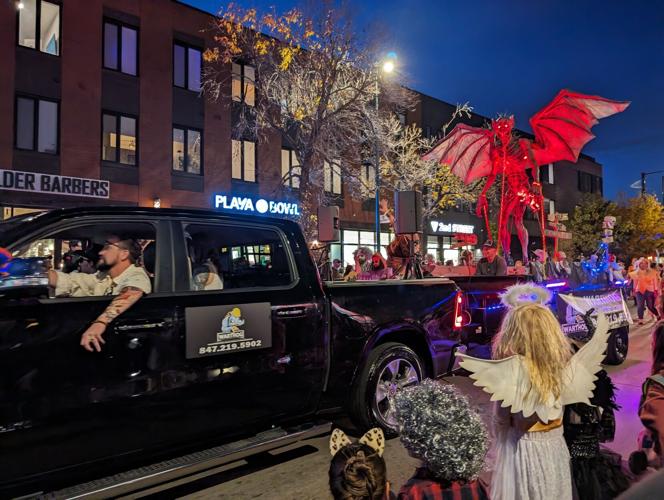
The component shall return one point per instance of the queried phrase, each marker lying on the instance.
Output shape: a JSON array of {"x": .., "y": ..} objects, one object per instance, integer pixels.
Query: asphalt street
[{"x": 300, "y": 471}]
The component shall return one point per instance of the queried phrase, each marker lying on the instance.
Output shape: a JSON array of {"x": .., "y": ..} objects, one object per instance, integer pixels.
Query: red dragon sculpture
[{"x": 561, "y": 130}]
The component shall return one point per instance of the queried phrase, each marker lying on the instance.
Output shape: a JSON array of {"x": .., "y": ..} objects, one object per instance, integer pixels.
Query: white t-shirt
[{"x": 99, "y": 284}]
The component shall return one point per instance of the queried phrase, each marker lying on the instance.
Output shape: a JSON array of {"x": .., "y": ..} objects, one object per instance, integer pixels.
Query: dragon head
[{"x": 503, "y": 126}]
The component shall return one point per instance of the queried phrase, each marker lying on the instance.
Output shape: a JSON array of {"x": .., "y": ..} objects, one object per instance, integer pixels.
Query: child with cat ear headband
[{"x": 357, "y": 470}]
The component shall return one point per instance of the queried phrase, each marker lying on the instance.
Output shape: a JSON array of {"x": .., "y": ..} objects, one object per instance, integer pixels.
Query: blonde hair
[{"x": 532, "y": 331}]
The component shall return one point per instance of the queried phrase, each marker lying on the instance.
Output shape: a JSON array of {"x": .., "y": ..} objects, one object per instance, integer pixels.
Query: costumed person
[
  {"x": 467, "y": 258},
  {"x": 563, "y": 265},
  {"x": 438, "y": 426},
  {"x": 519, "y": 268},
  {"x": 597, "y": 472},
  {"x": 491, "y": 264},
  {"x": 531, "y": 378},
  {"x": 377, "y": 271},
  {"x": 357, "y": 470},
  {"x": 651, "y": 410},
  {"x": 362, "y": 258}
]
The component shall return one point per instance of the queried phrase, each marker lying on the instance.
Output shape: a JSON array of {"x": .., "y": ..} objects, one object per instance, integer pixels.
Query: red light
[{"x": 458, "y": 317}]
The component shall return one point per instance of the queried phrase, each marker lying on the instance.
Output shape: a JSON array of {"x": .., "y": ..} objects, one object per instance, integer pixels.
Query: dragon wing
[
  {"x": 466, "y": 150},
  {"x": 562, "y": 128},
  {"x": 507, "y": 380},
  {"x": 580, "y": 372}
]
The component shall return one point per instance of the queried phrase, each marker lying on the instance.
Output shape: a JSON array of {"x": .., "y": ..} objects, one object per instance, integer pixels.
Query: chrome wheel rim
[{"x": 396, "y": 375}]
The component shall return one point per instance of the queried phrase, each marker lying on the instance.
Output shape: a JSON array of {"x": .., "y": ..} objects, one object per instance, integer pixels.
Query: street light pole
[{"x": 377, "y": 179}]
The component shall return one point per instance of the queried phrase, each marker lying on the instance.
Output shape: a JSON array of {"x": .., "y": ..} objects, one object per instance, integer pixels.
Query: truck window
[
  {"x": 224, "y": 257},
  {"x": 76, "y": 251}
]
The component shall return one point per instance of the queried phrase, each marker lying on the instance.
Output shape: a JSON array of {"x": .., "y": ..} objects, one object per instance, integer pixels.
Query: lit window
[
  {"x": 332, "y": 178},
  {"x": 187, "y": 67},
  {"x": 119, "y": 139},
  {"x": 187, "y": 150},
  {"x": 244, "y": 160},
  {"x": 37, "y": 125},
  {"x": 120, "y": 47},
  {"x": 39, "y": 26},
  {"x": 243, "y": 86},
  {"x": 290, "y": 169}
]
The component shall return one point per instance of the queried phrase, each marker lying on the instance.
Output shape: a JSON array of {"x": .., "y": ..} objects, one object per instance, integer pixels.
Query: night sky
[{"x": 513, "y": 56}]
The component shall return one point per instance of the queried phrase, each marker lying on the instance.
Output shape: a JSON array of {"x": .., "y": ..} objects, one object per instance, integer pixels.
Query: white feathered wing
[{"x": 508, "y": 380}]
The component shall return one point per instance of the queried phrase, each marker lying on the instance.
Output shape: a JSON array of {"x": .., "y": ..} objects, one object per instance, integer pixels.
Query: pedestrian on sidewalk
[
  {"x": 646, "y": 283},
  {"x": 531, "y": 378},
  {"x": 437, "y": 426}
]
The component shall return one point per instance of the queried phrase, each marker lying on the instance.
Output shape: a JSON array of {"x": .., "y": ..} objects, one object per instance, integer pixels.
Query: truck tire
[
  {"x": 388, "y": 368},
  {"x": 616, "y": 350}
]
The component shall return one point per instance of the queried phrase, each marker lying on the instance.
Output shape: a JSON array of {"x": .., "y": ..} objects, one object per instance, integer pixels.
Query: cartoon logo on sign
[{"x": 230, "y": 325}]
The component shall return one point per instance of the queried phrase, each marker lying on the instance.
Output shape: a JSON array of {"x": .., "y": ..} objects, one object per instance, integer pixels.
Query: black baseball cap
[{"x": 489, "y": 244}]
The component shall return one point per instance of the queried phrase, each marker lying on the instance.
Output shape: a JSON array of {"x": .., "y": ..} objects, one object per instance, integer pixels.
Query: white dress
[{"x": 534, "y": 465}]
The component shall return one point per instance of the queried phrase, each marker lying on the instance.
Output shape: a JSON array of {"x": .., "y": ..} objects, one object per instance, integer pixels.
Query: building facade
[{"x": 100, "y": 104}]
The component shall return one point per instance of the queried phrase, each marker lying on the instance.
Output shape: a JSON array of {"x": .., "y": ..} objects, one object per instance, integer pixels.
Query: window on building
[
  {"x": 546, "y": 173},
  {"x": 549, "y": 206},
  {"x": 589, "y": 183},
  {"x": 244, "y": 160},
  {"x": 119, "y": 139},
  {"x": 352, "y": 239},
  {"x": 37, "y": 125},
  {"x": 290, "y": 169},
  {"x": 187, "y": 67},
  {"x": 243, "y": 86},
  {"x": 368, "y": 178},
  {"x": 187, "y": 147},
  {"x": 226, "y": 257},
  {"x": 332, "y": 177},
  {"x": 120, "y": 47},
  {"x": 39, "y": 26}
]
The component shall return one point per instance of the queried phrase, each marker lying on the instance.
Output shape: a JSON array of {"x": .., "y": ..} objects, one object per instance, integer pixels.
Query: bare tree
[
  {"x": 402, "y": 166},
  {"x": 315, "y": 83}
]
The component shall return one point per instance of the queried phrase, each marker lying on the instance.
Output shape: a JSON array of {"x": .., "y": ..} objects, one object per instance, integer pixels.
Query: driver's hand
[{"x": 92, "y": 337}]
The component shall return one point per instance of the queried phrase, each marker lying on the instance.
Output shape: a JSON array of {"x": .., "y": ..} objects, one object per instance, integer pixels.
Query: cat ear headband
[
  {"x": 519, "y": 295},
  {"x": 373, "y": 438}
]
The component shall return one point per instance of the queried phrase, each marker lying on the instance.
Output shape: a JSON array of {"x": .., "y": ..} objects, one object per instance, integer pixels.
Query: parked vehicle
[{"x": 229, "y": 370}]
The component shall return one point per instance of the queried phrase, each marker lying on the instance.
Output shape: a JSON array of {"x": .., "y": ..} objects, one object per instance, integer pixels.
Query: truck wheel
[
  {"x": 389, "y": 368},
  {"x": 616, "y": 350}
]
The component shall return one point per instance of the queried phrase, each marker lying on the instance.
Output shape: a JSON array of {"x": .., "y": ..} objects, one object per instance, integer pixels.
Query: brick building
[{"x": 100, "y": 104}]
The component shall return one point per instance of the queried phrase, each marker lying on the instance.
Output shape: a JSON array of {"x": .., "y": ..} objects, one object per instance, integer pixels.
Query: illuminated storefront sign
[
  {"x": 254, "y": 205},
  {"x": 442, "y": 227}
]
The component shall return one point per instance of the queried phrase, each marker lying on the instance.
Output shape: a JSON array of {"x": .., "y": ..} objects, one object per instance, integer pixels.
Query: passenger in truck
[{"x": 124, "y": 279}]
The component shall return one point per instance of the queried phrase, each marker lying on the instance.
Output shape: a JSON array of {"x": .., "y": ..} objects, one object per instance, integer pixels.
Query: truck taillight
[{"x": 458, "y": 311}]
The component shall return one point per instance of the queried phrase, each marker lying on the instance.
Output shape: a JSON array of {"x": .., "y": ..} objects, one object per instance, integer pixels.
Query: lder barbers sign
[{"x": 34, "y": 182}]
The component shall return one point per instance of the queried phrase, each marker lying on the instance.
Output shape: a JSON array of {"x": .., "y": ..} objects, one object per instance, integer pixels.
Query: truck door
[
  {"x": 254, "y": 332},
  {"x": 95, "y": 403}
]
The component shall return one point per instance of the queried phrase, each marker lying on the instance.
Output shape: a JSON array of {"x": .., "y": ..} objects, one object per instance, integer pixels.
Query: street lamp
[{"x": 387, "y": 67}]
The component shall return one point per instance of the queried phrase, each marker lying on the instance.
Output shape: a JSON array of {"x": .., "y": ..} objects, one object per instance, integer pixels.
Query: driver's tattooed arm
[{"x": 127, "y": 297}]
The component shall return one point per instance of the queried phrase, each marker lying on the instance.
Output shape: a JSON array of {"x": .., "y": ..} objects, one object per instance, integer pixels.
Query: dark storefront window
[
  {"x": 332, "y": 178},
  {"x": 37, "y": 125},
  {"x": 39, "y": 26},
  {"x": 119, "y": 139},
  {"x": 187, "y": 147},
  {"x": 187, "y": 67},
  {"x": 120, "y": 47}
]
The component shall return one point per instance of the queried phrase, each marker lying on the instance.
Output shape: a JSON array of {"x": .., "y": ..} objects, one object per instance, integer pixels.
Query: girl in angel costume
[{"x": 532, "y": 377}]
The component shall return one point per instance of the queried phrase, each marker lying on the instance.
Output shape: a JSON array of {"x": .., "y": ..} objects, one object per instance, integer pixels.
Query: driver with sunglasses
[{"x": 122, "y": 278}]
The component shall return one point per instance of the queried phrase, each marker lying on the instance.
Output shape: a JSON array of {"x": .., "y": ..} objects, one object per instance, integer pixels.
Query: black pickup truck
[{"x": 200, "y": 369}]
